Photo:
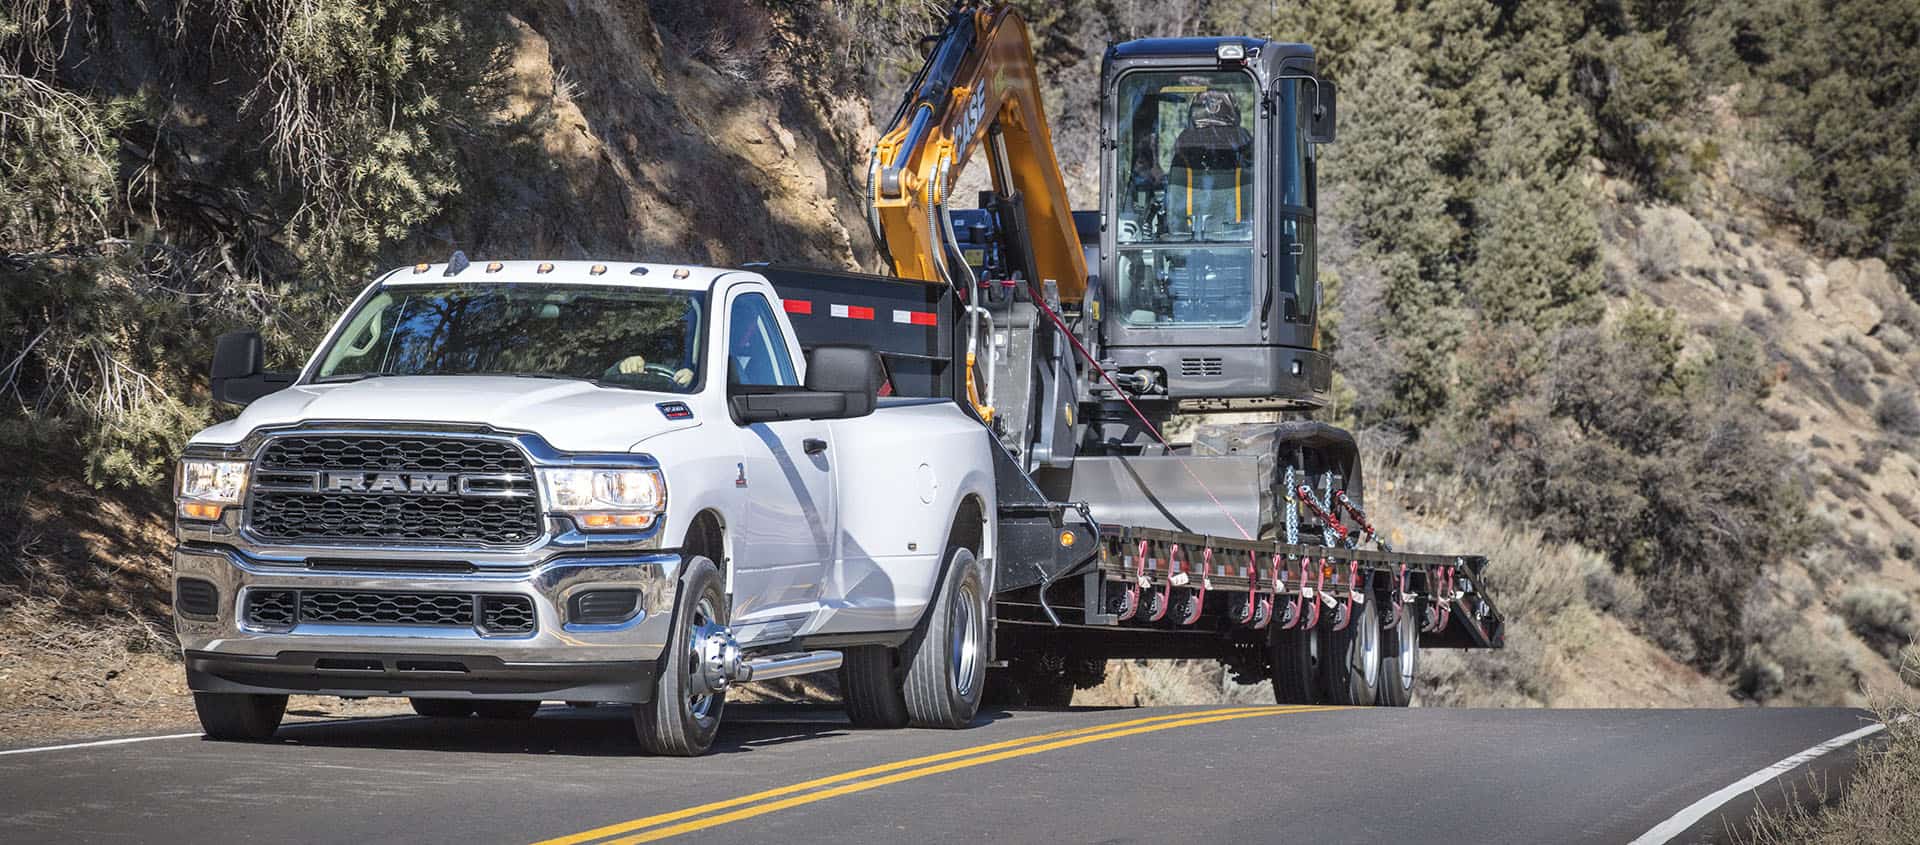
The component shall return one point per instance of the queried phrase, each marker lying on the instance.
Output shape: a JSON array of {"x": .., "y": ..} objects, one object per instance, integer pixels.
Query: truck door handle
[{"x": 814, "y": 445}]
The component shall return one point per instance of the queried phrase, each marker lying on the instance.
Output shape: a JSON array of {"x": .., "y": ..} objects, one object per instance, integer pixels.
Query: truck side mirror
[
  {"x": 1320, "y": 124},
  {"x": 843, "y": 381},
  {"x": 852, "y": 371},
  {"x": 238, "y": 376}
]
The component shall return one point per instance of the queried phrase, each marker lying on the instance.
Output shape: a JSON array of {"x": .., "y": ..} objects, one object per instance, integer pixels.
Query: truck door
[{"x": 785, "y": 542}]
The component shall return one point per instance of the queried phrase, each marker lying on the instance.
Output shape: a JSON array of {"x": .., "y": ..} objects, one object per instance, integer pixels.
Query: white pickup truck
[{"x": 496, "y": 485}]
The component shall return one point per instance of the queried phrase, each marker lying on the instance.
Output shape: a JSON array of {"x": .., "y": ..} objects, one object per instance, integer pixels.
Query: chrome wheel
[
  {"x": 1369, "y": 644},
  {"x": 965, "y": 633},
  {"x": 699, "y": 699}
]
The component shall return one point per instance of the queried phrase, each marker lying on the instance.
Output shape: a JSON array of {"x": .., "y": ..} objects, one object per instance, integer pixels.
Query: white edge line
[
  {"x": 133, "y": 739},
  {"x": 1681, "y": 821}
]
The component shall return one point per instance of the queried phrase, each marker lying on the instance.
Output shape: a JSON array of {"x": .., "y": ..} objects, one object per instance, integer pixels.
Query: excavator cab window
[{"x": 1187, "y": 176}]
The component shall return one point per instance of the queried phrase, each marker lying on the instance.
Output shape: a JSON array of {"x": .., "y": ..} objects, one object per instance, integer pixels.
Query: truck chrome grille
[
  {"x": 393, "y": 489},
  {"x": 494, "y": 614}
]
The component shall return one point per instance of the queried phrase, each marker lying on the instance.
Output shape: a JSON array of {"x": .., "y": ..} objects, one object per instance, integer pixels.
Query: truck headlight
[
  {"x": 605, "y": 499},
  {"x": 208, "y": 487}
]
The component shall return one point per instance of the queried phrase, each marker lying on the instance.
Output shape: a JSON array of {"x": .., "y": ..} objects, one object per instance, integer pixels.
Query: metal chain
[
  {"x": 1326, "y": 499},
  {"x": 1293, "y": 510}
]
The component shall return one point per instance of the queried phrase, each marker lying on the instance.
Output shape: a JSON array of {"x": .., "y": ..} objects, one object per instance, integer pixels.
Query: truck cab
[{"x": 498, "y": 485}]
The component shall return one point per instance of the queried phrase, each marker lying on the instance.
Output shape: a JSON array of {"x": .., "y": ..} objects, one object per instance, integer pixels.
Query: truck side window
[{"x": 757, "y": 351}]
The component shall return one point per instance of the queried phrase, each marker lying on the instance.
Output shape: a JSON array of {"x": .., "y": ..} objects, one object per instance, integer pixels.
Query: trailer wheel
[
  {"x": 1400, "y": 660},
  {"x": 1295, "y": 657},
  {"x": 870, "y": 688},
  {"x": 239, "y": 716},
  {"x": 442, "y": 708},
  {"x": 1351, "y": 672},
  {"x": 683, "y": 718},
  {"x": 946, "y": 668}
]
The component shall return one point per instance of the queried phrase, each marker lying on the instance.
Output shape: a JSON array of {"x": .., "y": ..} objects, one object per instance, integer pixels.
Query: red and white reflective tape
[
  {"x": 861, "y": 312},
  {"x": 797, "y": 306},
  {"x": 915, "y": 318},
  {"x": 851, "y": 312}
]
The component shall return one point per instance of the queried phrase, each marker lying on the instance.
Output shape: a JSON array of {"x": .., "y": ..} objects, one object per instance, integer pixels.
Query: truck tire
[
  {"x": 678, "y": 722},
  {"x": 244, "y": 717},
  {"x": 946, "y": 667},
  {"x": 870, "y": 688},
  {"x": 1400, "y": 658},
  {"x": 515, "y": 710},
  {"x": 1295, "y": 658},
  {"x": 442, "y": 708},
  {"x": 1351, "y": 672}
]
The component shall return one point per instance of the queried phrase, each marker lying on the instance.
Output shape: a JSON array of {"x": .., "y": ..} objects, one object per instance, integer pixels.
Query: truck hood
[{"x": 573, "y": 416}]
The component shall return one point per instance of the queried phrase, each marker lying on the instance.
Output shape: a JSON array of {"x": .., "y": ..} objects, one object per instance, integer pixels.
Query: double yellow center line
[{"x": 774, "y": 800}]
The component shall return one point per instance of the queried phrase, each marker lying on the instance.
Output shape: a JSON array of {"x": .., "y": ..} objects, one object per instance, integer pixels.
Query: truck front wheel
[
  {"x": 239, "y": 716},
  {"x": 684, "y": 716},
  {"x": 946, "y": 669}
]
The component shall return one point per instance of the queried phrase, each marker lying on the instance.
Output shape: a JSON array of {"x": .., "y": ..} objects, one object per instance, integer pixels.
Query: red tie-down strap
[
  {"x": 1341, "y": 502},
  {"x": 1259, "y": 609},
  {"x": 1399, "y": 604},
  {"x": 1291, "y": 616},
  {"x": 1131, "y": 604},
  {"x": 1176, "y": 566},
  {"x": 1305, "y": 495},
  {"x": 1319, "y": 588},
  {"x": 1353, "y": 589},
  {"x": 1446, "y": 599},
  {"x": 1206, "y": 581}
]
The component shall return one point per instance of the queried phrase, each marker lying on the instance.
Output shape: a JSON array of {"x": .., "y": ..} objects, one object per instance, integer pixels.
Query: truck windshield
[
  {"x": 1187, "y": 173},
  {"x": 645, "y": 339}
]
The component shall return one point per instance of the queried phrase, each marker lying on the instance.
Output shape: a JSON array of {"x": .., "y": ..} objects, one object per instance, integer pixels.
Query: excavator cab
[{"x": 1206, "y": 252}]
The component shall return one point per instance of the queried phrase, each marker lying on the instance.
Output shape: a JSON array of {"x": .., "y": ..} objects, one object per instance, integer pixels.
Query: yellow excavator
[{"x": 1076, "y": 336}]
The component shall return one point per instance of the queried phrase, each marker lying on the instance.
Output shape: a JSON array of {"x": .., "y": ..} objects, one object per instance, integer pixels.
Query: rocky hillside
[{"x": 1602, "y": 306}]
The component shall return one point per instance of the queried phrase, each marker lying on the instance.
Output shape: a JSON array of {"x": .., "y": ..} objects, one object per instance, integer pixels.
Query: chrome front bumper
[{"x": 559, "y": 660}]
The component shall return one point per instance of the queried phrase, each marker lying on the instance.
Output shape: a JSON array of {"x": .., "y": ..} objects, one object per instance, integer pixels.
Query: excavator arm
[{"x": 979, "y": 88}]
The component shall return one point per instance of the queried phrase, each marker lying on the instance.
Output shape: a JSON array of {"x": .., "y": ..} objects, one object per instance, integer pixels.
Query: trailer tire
[
  {"x": 1351, "y": 672},
  {"x": 870, "y": 688},
  {"x": 244, "y": 717},
  {"x": 678, "y": 723},
  {"x": 1400, "y": 658},
  {"x": 1294, "y": 656},
  {"x": 442, "y": 708},
  {"x": 946, "y": 666}
]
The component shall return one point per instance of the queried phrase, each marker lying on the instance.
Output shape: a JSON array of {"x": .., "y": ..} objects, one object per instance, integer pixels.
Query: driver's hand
[
  {"x": 684, "y": 377},
  {"x": 631, "y": 365}
]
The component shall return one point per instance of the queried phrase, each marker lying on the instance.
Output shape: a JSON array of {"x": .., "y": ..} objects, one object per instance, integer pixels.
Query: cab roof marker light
[
  {"x": 681, "y": 273},
  {"x": 638, "y": 270},
  {"x": 421, "y": 267},
  {"x": 545, "y": 267},
  {"x": 597, "y": 270},
  {"x": 494, "y": 266},
  {"x": 1231, "y": 53}
]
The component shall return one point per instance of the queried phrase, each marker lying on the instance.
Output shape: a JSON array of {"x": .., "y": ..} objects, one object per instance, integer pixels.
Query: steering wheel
[{"x": 670, "y": 375}]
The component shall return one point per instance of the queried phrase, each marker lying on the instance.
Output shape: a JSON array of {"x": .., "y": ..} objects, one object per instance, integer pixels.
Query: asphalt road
[{"x": 801, "y": 775}]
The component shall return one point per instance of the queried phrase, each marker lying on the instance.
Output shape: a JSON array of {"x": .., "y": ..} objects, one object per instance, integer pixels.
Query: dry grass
[{"x": 1881, "y": 805}]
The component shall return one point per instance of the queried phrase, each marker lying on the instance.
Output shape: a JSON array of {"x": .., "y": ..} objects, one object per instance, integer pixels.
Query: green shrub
[{"x": 1883, "y": 618}]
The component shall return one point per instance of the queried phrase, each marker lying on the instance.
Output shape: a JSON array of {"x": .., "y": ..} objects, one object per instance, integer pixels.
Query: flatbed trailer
[{"x": 1072, "y": 591}]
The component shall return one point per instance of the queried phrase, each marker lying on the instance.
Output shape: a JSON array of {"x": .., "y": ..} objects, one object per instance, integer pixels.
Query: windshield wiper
[{"x": 347, "y": 377}]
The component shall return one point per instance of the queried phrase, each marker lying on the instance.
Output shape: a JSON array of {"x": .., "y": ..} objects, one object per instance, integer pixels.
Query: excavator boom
[{"x": 979, "y": 89}]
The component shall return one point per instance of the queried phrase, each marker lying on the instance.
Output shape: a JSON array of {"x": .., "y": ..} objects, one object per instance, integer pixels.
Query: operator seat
[{"x": 1208, "y": 189}]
